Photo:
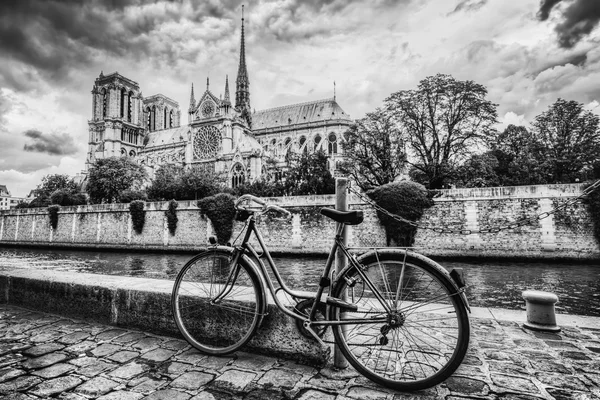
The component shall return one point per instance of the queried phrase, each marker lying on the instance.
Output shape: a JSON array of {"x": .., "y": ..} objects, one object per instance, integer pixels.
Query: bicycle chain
[{"x": 488, "y": 229}]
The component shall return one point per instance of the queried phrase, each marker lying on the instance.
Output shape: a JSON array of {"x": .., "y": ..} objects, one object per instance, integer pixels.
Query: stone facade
[{"x": 564, "y": 234}]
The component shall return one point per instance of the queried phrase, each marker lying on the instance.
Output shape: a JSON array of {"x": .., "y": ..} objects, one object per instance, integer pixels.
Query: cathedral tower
[{"x": 242, "y": 90}]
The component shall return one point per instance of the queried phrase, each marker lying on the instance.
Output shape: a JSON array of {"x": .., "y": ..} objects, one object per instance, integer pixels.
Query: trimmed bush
[
  {"x": 220, "y": 209},
  {"x": 171, "y": 214},
  {"x": 53, "y": 215},
  {"x": 138, "y": 215},
  {"x": 406, "y": 199}
]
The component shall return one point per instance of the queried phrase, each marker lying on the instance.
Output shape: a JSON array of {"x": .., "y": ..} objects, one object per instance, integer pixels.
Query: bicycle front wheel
[
  {"x": 411, "y": 329},
  {"x": 217, "y": 306}
]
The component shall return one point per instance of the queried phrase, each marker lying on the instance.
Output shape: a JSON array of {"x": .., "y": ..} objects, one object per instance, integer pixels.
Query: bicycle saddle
[{"x": 344, "y": 217}]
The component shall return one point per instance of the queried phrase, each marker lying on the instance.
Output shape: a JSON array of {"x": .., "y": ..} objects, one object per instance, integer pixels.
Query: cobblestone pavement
[{"x": 43, "y": 356}]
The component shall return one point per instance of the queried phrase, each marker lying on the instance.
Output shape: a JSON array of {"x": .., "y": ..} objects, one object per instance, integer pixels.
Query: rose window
[{"x": 207, "y": 142}]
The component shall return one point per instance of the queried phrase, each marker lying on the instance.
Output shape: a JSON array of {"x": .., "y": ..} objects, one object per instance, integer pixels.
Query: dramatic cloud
[
  {"x": 579, "y": 19},
  {"x": 51, "y": 143}
]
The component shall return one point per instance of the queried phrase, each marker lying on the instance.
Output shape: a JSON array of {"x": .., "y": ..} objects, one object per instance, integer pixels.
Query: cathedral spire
[
  {"x": 192, "y": 100},
  {"x": 227, "y": 89},
  {"x": 242, "y": 90}
]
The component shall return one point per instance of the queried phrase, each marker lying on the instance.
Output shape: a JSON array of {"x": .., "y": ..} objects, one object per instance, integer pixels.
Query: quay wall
[{"x": 565, "y": 234}]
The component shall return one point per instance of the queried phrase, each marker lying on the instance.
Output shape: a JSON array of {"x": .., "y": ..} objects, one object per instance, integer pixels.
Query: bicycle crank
[{"x": 304, "y": 308}]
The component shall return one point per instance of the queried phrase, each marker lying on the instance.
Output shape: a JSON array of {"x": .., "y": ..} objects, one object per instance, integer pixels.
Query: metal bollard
[{"x": 540, "y": 311}]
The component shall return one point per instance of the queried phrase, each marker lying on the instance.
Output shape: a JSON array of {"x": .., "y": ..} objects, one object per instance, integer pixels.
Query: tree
[
  {"x": 57, "y": 189},
  {"x": 570, "y": 139},
  {"x": 308, "y": 174},
  {"x": 108, "y": 177},
  {"x": 520, "y": 158},
  {"x": 478, "y": 171},
  {"x": 177, "y": 182},
  {"x": 374, "y": 150},
  {"x": 444, "y": 119}
]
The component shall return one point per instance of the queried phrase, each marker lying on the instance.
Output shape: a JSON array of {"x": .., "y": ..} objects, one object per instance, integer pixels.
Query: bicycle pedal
[{"x": 332, "y": 301}]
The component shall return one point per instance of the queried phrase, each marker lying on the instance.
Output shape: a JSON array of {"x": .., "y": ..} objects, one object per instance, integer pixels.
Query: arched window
[
  {"x": 132, "y": 153},
  {"x": 122, "y": 113},
  {"x": 123, "y": 152},
  {"x": 165, "y": 118},
  {"x": 287, "y": 142},
  {"x": 238, "y": 175},
  {"x": 171, "y": 119},
  {"x": 104, "y": 103},
  {"x": 122, "y": 135},
  {"x": 317, "y": 142},
  {"x": 333, "y": 147},
  {"x": 153, "y": 119},
  {"x": 129, "y": 106}
]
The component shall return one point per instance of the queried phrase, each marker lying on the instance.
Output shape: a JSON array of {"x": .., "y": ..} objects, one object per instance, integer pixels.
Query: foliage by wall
[
  {"x": 171, "y": 214},
  {"x": 220, "y": 210},
  {"x": 592, "y": 203},
  {"x": 406, "y": 199},
  {"x": 66, "y": 197},
  {"x": 127, "y": 196},
  {"x": 53, "y": 215},
  {"x": 108, "y": 177},
  {"x": 138, "y": 215}
]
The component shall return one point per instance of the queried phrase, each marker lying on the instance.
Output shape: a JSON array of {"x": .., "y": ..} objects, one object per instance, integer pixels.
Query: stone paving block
[
  {"x": 514, "y": 384},
  {"x": 192, "y": 380},
  {"x": 506, "y": 367},
  {"x": 280, "y": 378},
  {"x": 42, "y": 349},
  {"x": 191, "y": 356},
  {"x": 105, "y": 349},
  {"x": 324, "y": 383},
  {"x": 363, "y": 393},
  {"x": 21, "y": 383},
  {"x": 9, "y": 373},
  {"x": 316, "y": 395},
  {"x": 73, "y": 338},
  {"x": 466, "y": 385},
  {"x": 17, "y": 396},
  {"x": 147, "y": 344},
  {"x": 82, "y": 347},
  {"x": 123, "y": 356},
  {"x": 121, "y": 395},
  {"x": 55, "y": 386},
  {"x": 262, "y": 394},
  {"x": 253, "y": 362},
  {"x": 95, "y": 368},
  {"x": 148, "y": 385},
  {"x": 158, "y": 355},
  {"x": 175, "y": 345},
  {"x": 561, "y": 381},
  {"x": 549, "y": 366},
  {"x": 54, "y": 370},
  {"x": 128, "y": 371},
  {"x": 110, "y": 334},
  {"x": 168, "y": 394},
  {"x": 129, "y": 337},
  {"x": 575, "y": 355},
  {"x": 176, "y": 368},
  {"x": 45, "y": 360},
  {"x": 46, "y": 337},
  {"x": 206, "y": 395},
  {"x": 97, "y": 386},
  {"x": 10, "y": 359},
  {"x": 13, "y": 347},
  {"x": 233, "y": 380}
]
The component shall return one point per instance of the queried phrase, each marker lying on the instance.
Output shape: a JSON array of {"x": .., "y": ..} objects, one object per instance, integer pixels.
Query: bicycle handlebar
[{"x": 265, "y": 207}]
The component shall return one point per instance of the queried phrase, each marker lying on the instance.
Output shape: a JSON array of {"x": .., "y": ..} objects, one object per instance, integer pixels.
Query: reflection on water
[{"x": 491, "y": 283}]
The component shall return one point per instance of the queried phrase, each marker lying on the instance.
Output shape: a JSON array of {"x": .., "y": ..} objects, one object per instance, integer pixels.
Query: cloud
[
  {"x": 468, "y": 5},
  {"x": 579, "y": 19},
  {"x": 52, "y": 143}
]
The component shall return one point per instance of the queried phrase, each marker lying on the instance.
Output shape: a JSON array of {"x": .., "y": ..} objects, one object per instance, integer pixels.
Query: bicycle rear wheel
[
  {"x": 217, "y": 306},
  {"x": 425, "y": 336}
]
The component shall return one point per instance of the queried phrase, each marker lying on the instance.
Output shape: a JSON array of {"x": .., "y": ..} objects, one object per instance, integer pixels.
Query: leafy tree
[
  {"x": 65, "y": 197},
  {"x": 308, "y": 174},
  {"x": 444, "y": 120},
  {"x": 478, "y": 171},
  {"x": 177, "y": 182},
  {"x": 108, "y": 177},
  {"x": 374, "y": 150},
  {"x": 570, "y": 139},
  {"x": 51, "y": 183},
  {"x": 262, "y": 188},
  {"x": 166, "y": 183}
]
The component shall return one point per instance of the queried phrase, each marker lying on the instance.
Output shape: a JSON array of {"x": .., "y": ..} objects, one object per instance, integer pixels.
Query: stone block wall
[{"x": 564, "y": 234}]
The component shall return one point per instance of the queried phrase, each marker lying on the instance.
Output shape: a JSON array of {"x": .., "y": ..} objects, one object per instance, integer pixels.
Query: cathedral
[{"x": 229, "y": 139}]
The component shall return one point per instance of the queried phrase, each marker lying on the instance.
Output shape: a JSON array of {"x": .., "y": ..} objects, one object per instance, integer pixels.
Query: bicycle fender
[{"x": 401, "y": 252}]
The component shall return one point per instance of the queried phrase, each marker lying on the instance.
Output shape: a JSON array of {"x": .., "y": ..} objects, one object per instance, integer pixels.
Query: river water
[{"x": 490, "y": 283}]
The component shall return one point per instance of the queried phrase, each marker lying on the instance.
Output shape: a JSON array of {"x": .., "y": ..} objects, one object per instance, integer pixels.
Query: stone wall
[{"x": 565, "y": 234}]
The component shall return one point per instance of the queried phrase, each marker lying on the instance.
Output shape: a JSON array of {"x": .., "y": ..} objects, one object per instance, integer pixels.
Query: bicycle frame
[{"x": 246, "y": 248}]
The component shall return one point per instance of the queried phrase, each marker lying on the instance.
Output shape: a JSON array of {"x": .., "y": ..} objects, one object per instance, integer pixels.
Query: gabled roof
[
  {"x": 312, "y": 111},
  {"x": 167, "y": 136}
]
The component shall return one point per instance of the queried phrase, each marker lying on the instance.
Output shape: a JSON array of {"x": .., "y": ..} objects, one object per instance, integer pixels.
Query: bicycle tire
[
  {"x": 223, "y": 327},
  {"x": 423, "y": 342}
]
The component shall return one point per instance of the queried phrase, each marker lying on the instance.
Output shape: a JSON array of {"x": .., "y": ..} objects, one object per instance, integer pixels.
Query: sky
[{"x": 528, "y": 53}]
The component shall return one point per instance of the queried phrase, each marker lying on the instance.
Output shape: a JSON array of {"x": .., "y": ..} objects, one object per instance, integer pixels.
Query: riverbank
[
  {"x": 45, "y": 355},
  {"x": 564, "y": 234}
]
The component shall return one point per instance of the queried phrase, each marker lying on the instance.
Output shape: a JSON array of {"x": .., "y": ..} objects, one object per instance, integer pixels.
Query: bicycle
[{"x": 399, "y": 318}]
